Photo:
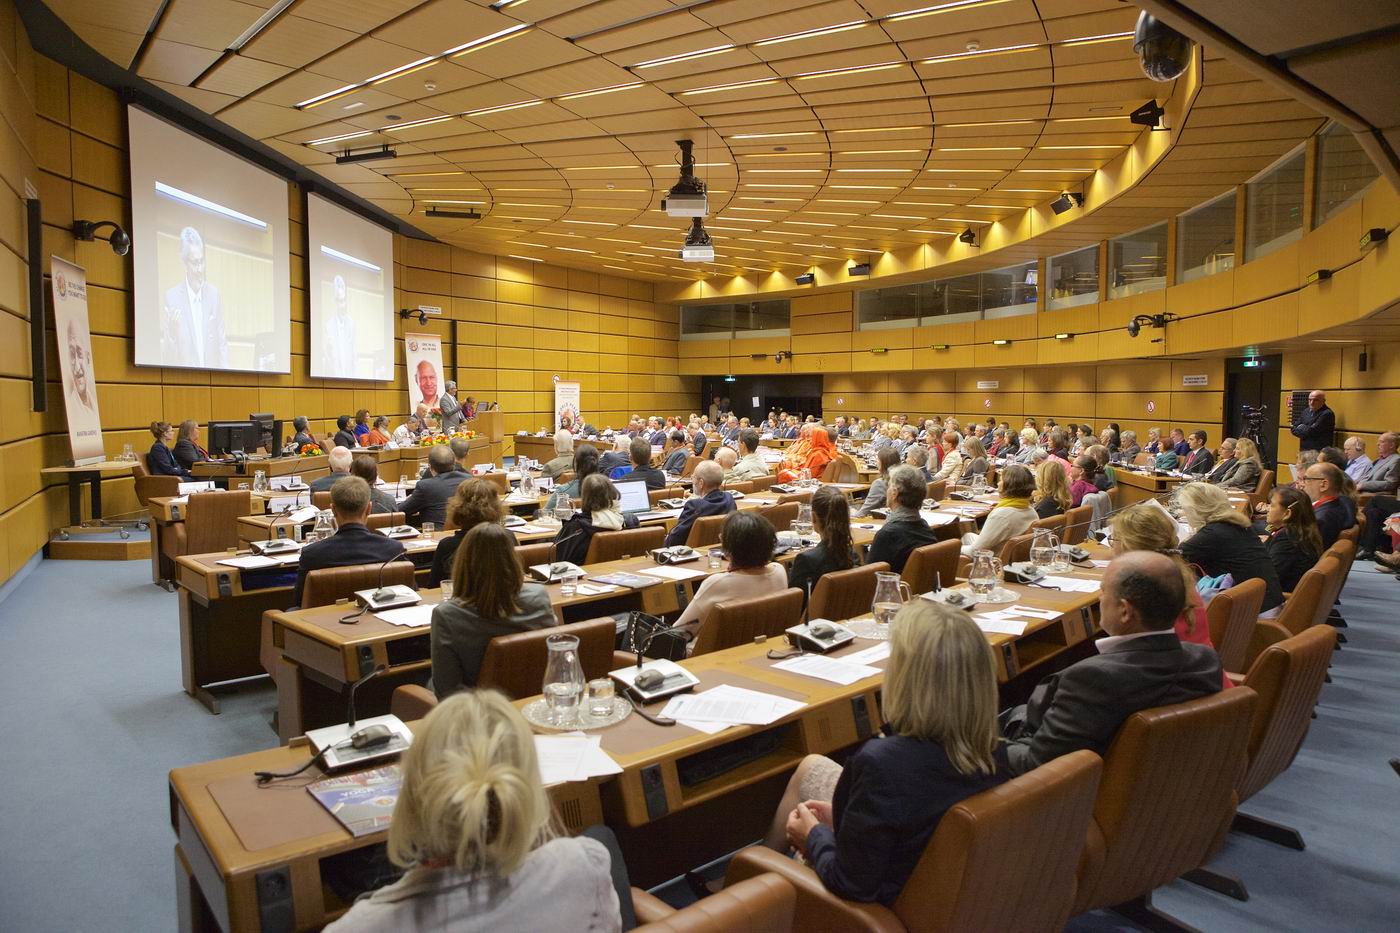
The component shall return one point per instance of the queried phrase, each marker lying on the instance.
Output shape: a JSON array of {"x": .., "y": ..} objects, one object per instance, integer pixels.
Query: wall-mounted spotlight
[
  {"x": 1066, "y": 200},
  {"x": 1373, "y": 236},
  {"x": 1064, "y": 336},
  {"x": 118, "y": 239},
  {"x": 459, "y": 215},
  {"x": 1149, "y": 114},
  {"x": 968, "y": 237},
  {"x": 860, "y": 268},
  {"x": 1002, "y": 342},
  {"x": 805, "y": 278},
  {"x": 939, "y": 346},
  {"x": 1321, "y": 275},
  {"x": 366, "y": 155},
  {"x": 1151, "y": 320}
]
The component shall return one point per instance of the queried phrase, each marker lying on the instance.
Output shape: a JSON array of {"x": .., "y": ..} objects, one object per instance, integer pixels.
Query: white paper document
[
  {"x": 408, "y": 616},
  {"x": 572, "y": 756},
  {"x": 876, "y": 652},
  {"x": 994, "y": 623},
  {"x": 197, "y": 486},
  {"x": 709, "y": 728},
  {"x": 830, "y": 669},
  {"x": 672, "y": 573},
  {"x": 731, "y": 705},
  {"x": 251, "y": 562},
  {"x": 303, "y": 514},
  {"x": 596, "y": 589},
  {"x": 1072, "y": 584},
  {"x": 937, "y": 519}
]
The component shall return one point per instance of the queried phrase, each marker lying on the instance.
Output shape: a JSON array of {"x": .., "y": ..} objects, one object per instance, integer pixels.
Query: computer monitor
[
  {"x": 225, "y": 437},
  {"x": 634, "y": 496},
  {"x": 270, "y": 428}
]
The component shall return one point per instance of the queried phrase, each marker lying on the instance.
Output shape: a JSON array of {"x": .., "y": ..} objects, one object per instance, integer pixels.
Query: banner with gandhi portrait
[
  {"x": 70, "y": 315},
  {"x": 426, "y": 378}
]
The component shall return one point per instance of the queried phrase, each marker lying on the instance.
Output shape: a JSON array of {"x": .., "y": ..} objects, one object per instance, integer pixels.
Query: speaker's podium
[{"x": 488, "y": 424}]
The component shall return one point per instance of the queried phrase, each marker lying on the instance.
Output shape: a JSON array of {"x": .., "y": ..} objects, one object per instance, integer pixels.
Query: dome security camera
[{"x": 1163, "y": 52}]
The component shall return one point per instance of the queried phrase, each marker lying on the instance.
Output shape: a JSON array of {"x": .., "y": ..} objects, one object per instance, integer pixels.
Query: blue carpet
[{"x": 96, "y": 718}]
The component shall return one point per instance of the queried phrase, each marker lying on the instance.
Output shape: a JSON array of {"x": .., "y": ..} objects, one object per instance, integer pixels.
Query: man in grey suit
[
  {"x": 428, "y": 502},
  {"x": 192, "y": 330},
  {"x": 1141, "y": 665}
]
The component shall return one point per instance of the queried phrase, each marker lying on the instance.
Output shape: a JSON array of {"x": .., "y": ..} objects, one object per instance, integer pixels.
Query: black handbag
[{"x": 651, "y": 637}]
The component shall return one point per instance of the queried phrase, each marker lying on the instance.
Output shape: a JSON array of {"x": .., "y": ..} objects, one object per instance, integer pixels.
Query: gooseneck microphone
[{"x": 350, "y": 706}]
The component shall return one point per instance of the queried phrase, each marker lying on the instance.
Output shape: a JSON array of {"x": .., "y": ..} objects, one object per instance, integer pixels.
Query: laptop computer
[{"x": 634, "y": 499}]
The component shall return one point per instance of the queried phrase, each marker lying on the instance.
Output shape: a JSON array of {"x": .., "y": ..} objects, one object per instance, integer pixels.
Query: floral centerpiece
[
  {"x": 310, "y": 450},
  {"x": 434, "y": 440},
  {"x": 464, "y": 435}
]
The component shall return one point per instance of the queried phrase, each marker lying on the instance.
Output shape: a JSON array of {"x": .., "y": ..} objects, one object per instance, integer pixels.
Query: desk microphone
[
  {"x": 383, "y": 592},
  {"x": 350, "y": 706},
  {"x": 368, "y": 737},
  {"x": 555, "y": 569}
]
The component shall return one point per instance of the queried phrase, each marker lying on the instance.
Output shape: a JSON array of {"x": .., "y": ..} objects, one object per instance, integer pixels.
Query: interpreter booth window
[
  {"x": 1010, "y": 291},
  {"x": 1343, "y": 172},
  {"x": 762, "y": 318},
  {"x": 1274, "y": 207},
  {"x": 949, "y": 301},
  {"x": 1137, "y": 262},
  {"x": 705, "y": 322},
  {"x": 1074, "y": 278},
  {"x": 886, "y": 308},
  {"x": 1205, "y": 239}
]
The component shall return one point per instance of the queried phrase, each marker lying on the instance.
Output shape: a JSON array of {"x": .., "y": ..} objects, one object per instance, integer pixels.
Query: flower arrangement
[
  {"x": 310, "y": 450},
  {"x": 434, "y": 440},
  {"x": 464, "y": 435}
]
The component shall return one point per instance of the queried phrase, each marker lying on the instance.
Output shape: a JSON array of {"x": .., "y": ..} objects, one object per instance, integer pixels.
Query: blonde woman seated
[
  {"x": 864, "y": 827},
  {"x": 1223, "y": 541},
  {"x": 748, "y": 539},
  {"x": 1030, "y": 443},
  {"x": 974, "y": 459},
  {"x": 473, "y": 828},
  {"x": 1245, "y": 469},
  {"x": 1052, "y": 496},
  {"x": 1011, "y": 516}
]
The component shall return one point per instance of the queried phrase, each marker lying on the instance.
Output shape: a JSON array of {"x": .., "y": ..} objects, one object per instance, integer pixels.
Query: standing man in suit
[
  {"x": 1140, "y": 665},
  {"x": 338, "y": 334},
  {"x": 709, "y": 499},
  {"x": 353, "y": 543},
  {"x": 452, "y": 415},
  {"x": 192, "y": 328},
  {"x": 1199, "y": 460},
  {"x": 428, "y": 502},
  {"x": 339, "y": 460},
  {"x": 1315, "y": 425},
  {"x": 1335, "y": 512}
]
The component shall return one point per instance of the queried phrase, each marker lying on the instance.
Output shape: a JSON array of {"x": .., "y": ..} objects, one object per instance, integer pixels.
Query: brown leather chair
[
  {"x": 148, "y": 487},
  {"x": 744, "y": 487},
  {"x": 1144, "y": 459},
  {"x": 781, "y": 516},
  {"x": 630, "y": 542},
  {"x": 1003, "y": 859},
  {"x": 740, "y": 621},
  {"x": 329, "y": 584},
  {"x": 1300, "y": 610},
  {"x": 845, "y": 594},
  {"x": 763, "y": 483},
  {"x": 691, "y": 462},
  {"x": 211, "y": 523},
  {"x": 501, "y": 480},
  {"x": 1263, "y": 489},
  {"x": 654, "y": 496},
  {"x": 841, "y": 470},
  {"x": 937, "y": 489},
  {"x": 1232, "y": 615},
  {"x": 1167, "y": 793},
  {"x": 531, "y": 554},
  {"x": 514, "y": 664},
  {"x": 803, "y": 496},
  {"x": 762, "y": 904},
  {"x": 932, "y": 564},
  {"x": 322, "y": 499},
  {"x": 410, "y": 702},
  {"x": 385, "y": 520},
  {"x": 1017, "y": 550},
  {"x": 1076, "y": 528},
  {"x": 705, "y": 531},
  {"x": 1055, "y": 523}
]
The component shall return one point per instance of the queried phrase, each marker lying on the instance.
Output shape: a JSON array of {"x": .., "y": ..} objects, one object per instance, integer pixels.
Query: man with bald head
[
  {"x": 1141, "y": 664},
  {"x": 1315, "y": 425},
  {"x": 709, "y": 499}
]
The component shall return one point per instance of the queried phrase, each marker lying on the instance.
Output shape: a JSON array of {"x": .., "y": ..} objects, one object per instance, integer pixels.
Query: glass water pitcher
[
  {"x": 985, "y": 572},
  {"x": 891, "y": 593},
  {"x": 563, "y": 678}
]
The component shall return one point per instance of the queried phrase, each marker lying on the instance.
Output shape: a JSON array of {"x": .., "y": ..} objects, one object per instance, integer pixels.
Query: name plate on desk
[
  {"x": 292, "y": 482},
  {"x": 200, "y": 486}
]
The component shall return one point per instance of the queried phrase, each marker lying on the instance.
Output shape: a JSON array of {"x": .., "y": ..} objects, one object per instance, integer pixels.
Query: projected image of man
[
  {"x": 338, "y": 334},
  {"x": 427, "y": 379},
  {"x": 192, "y": 332}
]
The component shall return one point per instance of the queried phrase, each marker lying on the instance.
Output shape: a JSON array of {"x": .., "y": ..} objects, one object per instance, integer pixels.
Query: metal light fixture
[
  {"x": 367, "y": 155},
  {"x": 1149, "y": 114},
  {"x": 1067, "y": 200},
  {"x": 968, "y": 237}
]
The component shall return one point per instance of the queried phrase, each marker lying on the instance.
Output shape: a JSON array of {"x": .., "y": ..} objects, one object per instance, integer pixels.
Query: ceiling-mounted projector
[
  {"x": 698, "y": 247},
  {"x": 687, "y": 196}
]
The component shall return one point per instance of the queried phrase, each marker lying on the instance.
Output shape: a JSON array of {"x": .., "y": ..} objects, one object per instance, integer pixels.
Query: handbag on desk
[{"x": 650, "y": 636}]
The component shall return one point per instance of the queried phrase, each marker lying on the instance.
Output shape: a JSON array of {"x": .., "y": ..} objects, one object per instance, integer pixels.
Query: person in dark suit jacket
[
  {"x": 1335, "y": 512},
  {"x": 1294, "y": 544},
  {"x": 476, "y": 502},
  {"x": 1199, "y": 460},
  {"x": 1141, "y": 665},
  {"x": 344, "y": 436},
  {"x": 709, "y": 499},
  {"x": 904, "y": 528},
  {"x": 641, "y": 465},
  {"x": 160, "y": 461},
  {"x": 1316, "y": 425},
  {"x": 302, "y": 436},
  {"x": 675, "y": 460},
  {"x": 353, "y": 543},
  {"x": 428, "y": 502},
  {"x": 831, "y": 519},
  {"x": 340, "y": 460},
  {"x": 187, "y": 449},
  {"x": 619, "y": 456}
]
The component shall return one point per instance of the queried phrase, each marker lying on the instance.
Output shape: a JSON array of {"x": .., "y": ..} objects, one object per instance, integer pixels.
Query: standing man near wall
[{"x": 1315, "y": 425}]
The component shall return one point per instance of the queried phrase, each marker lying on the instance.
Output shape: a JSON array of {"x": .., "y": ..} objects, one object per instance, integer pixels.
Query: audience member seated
[
  {"x": 1245, "y": 466},
  {"x": 1011, "y": 516},
  {"x": 161, "y": 460},
  {"x": 974, "y": 459},
  {"x": 886, "y": 459},
  {"x": 563, "y": 455},
  {"x": 917, "y": 457},
  {"x": 586, "y": 463},
  {"x": 863, "y": 827},
  {"x": 1199, "y": 459},
  {"x": 428, "y": 501},
  {"x": 1358, "y": 464},
  {"x": 1052, "y": 496},
  {"x": 1081, "y": 476},
  {"x": 340, "y": 460},
  {"x": 812, "y": 452},
  {"x": 750, "y": 465},
  {"x": 406, "y": 434},
  {"x": 1167, "y": 459},
  {"x": 1222, "y": 541},
  {"x": 474, "y": 830},
  {"x": 680, "y": 452},
  {"x": 1145, "y": 527},
  {"x": 1129, "y": 449},
  {"x": 1380, "y": 482},
  {"x": 597, "y": 512},
  {"x": 362, "y": 428},
  {"x": 1030, "y": 444},
  {"x": 367, "y": 469},
  {"x": 904, "y": 528},
  {"x": 748, "y": 540},
  {"x": 709, "y": 499},
  {"x": 187, "y": 449},
  {"x": 353, "y": 543},
  {"x": 477, "y": 501},
  {"x": 642, "y": 469},
  {"x": 831, "y": 520},
  {"x": 1293, "y": 543},
  {"x": 378, "y": 434},
  {"x": 302, "y": 437},
  {"x": 490, "y": 597},
  {"x": 951, "y": 469},
  {"x": 1057, "y": 450},
  {"x": 344, "y": 437},
  {"x": 1154, "y": 442},
  {"x": 1334, "y": 511},
  {"x": 1140, "y": 665},
  {"x": 1180, "y": 444},
  {"x": 620, "y": 457},
  {"x": 1103, "y": 478}
]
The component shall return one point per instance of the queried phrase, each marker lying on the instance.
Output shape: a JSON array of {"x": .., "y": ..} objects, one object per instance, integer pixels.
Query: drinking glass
[
  {"x": 403, "y": 484},
  {"x": 428, "y": 529},
  {"x": 127, "y": 452},
  {"x": 446, "y": 590},
  {"x": 716, "y": 557},
  {"x": 260, "y": 481},
  {"x": 568, "y": 583},
  {"x": 600, "y": 697},
  {"x": 891, "y": 593},
  {"x": 563, "y": 678}
]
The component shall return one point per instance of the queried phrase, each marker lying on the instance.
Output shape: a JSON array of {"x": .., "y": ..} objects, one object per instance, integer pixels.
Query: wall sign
[
  {"x": 986, "y": 403},
  {"x": 1201, "y": 380},
  {"x": 989, "y": 383},
  {"x": 1151, "y": 406},
  {"x": 840, "y": 401}
]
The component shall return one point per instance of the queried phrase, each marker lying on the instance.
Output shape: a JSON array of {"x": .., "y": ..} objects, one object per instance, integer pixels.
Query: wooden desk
[
  {"x": 92, "y": 474},
  {"x": 679, "y": 827},
  {"x": 535, "y": 448},
  {"x": 308, "y": 467},
  {"x": 166, "y": 511},
  {"x": 1139, "y": 487}
]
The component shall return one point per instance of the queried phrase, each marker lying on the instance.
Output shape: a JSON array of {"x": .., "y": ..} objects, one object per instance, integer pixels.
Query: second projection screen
[{"x": 352, "y": 294}]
